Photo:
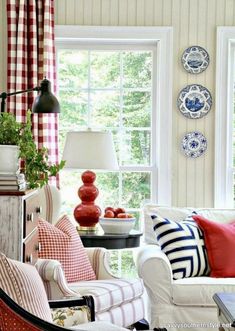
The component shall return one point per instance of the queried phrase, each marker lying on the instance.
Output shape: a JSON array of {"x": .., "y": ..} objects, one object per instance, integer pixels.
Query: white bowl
[{"x": 117, "y": 225}]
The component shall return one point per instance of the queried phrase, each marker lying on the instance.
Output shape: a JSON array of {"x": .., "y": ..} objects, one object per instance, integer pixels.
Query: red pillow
[
  {"x": 220, "y": 245},
  {"x": 62, "y": 242}
]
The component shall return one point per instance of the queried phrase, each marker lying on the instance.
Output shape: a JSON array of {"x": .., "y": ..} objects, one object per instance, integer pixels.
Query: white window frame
[
  {"x": 223, "y": 179},
  {"x": 162, "y": 37}
]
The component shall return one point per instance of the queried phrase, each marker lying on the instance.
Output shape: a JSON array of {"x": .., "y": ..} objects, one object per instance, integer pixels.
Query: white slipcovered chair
[
  {"x": 117, "y": 300},
  {"x": 182, "y": 304},
  {"x": 24, "y": 304}
]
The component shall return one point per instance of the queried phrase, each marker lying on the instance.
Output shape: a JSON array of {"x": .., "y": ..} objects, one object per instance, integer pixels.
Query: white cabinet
[{"x": 19, "y": 212}]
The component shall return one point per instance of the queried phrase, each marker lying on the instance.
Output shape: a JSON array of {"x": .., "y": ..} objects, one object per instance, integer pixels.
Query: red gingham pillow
[{"x": 62, "y": 242}]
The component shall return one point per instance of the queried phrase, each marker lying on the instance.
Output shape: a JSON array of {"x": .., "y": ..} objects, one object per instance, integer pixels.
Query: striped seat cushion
[
  {"x": 183, "y": 243},
  {"x": 23, "y": 284},
  {"x": 62, "y": 242},
  {"x": 110, "y": 293},
  {"x": 124, "y": 315}
]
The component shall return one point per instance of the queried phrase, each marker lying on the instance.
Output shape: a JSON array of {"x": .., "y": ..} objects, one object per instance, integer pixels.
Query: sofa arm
[
  {"x": 155, "y": 270},
  {"x": 54, "y": 280},
  {"x": 99, "y": 258}
]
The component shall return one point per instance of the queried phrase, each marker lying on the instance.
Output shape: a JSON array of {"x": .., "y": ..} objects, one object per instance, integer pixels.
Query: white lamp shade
[{"x": 90, "y": 150}]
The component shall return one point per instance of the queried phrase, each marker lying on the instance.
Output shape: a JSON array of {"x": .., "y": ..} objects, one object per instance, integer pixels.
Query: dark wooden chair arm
[{"x": 25, "y": 315}]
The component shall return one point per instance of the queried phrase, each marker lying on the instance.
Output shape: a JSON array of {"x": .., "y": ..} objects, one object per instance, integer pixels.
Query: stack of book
[{"x": 12, "y": 182}]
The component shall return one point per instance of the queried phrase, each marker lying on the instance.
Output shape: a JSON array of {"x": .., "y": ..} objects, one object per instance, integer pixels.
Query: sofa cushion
[
  {"x": 183, "y": 243},
  {"x": 23, "y": 284},
  {"x": 179, "y": 214},
  {"x": 173, "y": 213},
  {"x": 220, "y": 244},
  {"x": 198, "y": 291},
  {"x": 62, "y": 242},
  {"x": 224, "y": 216},
  {"x": 110, "y": 292}
]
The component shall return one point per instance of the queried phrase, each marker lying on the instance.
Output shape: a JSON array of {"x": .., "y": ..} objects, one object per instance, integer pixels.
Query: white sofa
[{"x": 183, "y": 304}]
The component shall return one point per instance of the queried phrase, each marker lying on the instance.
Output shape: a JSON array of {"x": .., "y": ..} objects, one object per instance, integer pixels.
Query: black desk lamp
[{"x": 44, "y": 103}]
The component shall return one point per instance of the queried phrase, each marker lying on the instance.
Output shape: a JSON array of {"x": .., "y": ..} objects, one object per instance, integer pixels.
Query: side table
[
  {"x": 110, "y": 241},
  {"x": 226, "y": 310}
]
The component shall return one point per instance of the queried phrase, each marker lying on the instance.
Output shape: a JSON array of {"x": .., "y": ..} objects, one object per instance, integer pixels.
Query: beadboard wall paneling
[{"x": 194, "y": 23}]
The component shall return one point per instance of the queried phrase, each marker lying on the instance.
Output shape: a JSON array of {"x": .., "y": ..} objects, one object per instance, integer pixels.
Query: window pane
[
  {"x": 108, "y": 185},
  {"x": 105, "y": 108},
  {"x": 62, "y": 137},
  {"x": 234, "y": 148},
  {"x": 73, "y": 69},
  {"x": 233, "y": 129},
  {"x": 135, "y": 148},
  {"x": 136, "y": 109},
  {"x": 122, "y": 264},
  {"x": 136, "y": 189},
  {"x": 136, "y": 214},
  {"x": 70, "y": 181},
  {"x": 137, "y": 68},
  {"x": 105, "y": 69},
  {"x": 74, "y": 107},
  {"x": 234, "y": 119},
  {"x": 234, "y": 190}
]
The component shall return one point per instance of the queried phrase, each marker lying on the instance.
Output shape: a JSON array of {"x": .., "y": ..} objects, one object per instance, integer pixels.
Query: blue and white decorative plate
[
  {"x": 194, "y": 144},
  {"x": 194, "y": 101},
  {"x": 195, "y": 59}
]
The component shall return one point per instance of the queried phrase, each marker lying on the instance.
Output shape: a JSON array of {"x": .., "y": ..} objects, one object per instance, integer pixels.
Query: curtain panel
[{"x": 31, "y": 57}]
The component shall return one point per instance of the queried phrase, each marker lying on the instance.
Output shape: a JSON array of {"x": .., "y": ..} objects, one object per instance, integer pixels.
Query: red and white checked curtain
[{"x": 31, "y": 57}]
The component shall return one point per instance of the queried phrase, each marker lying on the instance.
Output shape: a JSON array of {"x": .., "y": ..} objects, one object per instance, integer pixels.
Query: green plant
[
  {"x": 10, "y": 130},
  {"x": 37, "y": 169}
]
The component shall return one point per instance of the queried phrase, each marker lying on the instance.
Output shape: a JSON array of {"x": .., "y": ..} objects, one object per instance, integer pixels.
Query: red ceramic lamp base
[{"x": 87, "y": 213}]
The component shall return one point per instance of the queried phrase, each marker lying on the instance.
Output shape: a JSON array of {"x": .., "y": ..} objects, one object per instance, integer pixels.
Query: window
[
  {"x": 112, "y": 90},
  {"x": 225, "y": 119},
  {"x": 115, "y": 78}
]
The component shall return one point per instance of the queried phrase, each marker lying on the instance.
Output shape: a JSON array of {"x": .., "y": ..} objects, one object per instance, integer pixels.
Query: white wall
[{"x": 194, "y": 23}]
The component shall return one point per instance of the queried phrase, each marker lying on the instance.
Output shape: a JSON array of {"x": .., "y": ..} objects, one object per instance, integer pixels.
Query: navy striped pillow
[{"x": 183, "y": 243}]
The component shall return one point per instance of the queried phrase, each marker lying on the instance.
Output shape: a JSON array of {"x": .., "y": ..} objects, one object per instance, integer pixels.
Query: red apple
[
  {"x": 109, "y": 213},
  {"x": 119, "y": 210},
  {"x": 110, "y": 208},
  {"x": 122, "y": 215}
]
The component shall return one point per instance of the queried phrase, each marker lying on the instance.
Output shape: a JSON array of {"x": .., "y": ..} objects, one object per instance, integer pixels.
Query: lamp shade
[
  {"x": 45, "y": 102},
  {"x": 90, "y": 150}
]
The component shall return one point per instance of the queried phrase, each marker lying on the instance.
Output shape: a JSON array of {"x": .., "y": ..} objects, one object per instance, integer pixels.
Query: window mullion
[
  {"x": 121, "y": 129},
  {"x": 154, "y": 132},
  {"x": 89, "y": 91}
]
